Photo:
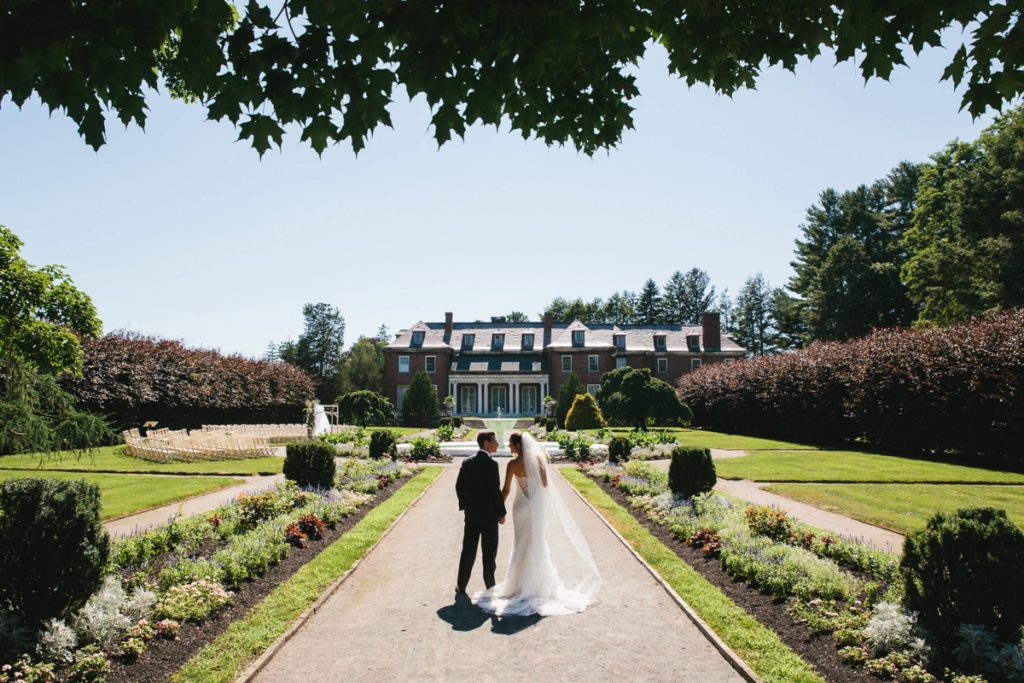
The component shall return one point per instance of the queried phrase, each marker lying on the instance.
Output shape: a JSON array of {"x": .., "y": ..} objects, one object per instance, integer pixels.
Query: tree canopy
[
  {"x": 319, "y": 349},
  {"x": 559, "y": 71},
  {"x": 629, "y": 396}
]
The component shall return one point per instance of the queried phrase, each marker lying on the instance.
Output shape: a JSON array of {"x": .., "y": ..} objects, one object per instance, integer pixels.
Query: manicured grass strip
[
  {"x": 853, "y": 466},
  {"x": 760, "y": 647},
  {"x": 700, "y": 438},
  {"x": 114, "y": 459},
  {"x": 248, "y": 637},
  {"x": 904, "y": 507},
  {"x": 124, "y": 494}
]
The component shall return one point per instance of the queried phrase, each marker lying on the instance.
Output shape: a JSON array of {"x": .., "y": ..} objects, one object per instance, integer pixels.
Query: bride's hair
[{"x": 516, "y": 439}]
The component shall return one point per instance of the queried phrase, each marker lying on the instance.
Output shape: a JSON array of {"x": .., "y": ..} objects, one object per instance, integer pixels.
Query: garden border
[
  {"x": 256, "y": 666},
  {"x": 741, "y": 667}
]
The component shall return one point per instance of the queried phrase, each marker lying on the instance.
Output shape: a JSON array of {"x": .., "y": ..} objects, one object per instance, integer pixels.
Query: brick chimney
[
  {"x": 447, "y": 327},
  {"x": 711, "y": 331},
  {"x": 547, "y": 328}
]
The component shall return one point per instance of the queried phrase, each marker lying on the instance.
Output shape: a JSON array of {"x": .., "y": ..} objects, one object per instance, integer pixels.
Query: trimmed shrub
[
  {"x": 365, "y": 409},
  {"x": 584, "y": 414},
  {"x": 310, "y": 464},
  {"x": 567, "y": 393},
  {"x": 420, "y": 406},
  {"x": 944, "y": 390},
  {"x": 550, "y": 425},
  {"x": 457, "y": 422},
  {"x": 618, "y": 449},
  {"x": 964, "y": 567},
  {"x": 382, "y": 443},
  {"x": 691, "y": 472},
  {"x": 54, "y": 547},
  {"x": 446, "y": 422}
]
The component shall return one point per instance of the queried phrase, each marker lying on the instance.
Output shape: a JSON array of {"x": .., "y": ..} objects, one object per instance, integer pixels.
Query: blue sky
[{"x": 181, "y": 232}]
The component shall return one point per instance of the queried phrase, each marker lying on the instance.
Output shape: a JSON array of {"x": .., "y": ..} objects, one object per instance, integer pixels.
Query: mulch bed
[
  {"x": 817, "y": 648},
  {"x": 163, "y": 657}
]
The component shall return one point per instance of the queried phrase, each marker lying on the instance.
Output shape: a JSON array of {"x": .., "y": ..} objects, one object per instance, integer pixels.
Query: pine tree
[
  {"x": 649, "y": 304},
  {"x": 753, "y": 325},
  {"x": 419, "y": 405},
  {"x": 567, "y": 393}
]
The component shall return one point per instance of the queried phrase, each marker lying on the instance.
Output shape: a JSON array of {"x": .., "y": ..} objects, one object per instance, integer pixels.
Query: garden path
[
  {"x": 394, "y": 617},
  {"x": 139, "y": 522}
]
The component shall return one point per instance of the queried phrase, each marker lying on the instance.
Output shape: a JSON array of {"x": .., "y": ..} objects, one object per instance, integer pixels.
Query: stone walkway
[
  {"x": 133, "y": 524},
  {"x": 395, "y": 617}
]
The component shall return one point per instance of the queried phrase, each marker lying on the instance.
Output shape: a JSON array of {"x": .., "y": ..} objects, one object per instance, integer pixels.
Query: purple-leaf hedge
[
  {"x": 957, "y": 389},
  {"x": 134, "y": 378}
]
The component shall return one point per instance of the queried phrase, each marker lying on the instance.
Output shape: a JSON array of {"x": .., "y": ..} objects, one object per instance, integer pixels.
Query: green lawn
[
  {"x": 852, "y": 466},
  {"x": 704, "y": 439},
  {"x": 113, "y": 459},
  {"x": 124, "y": 494},
  {"x": 760, "y": 647},
  {"x": 904, "y": 507}
]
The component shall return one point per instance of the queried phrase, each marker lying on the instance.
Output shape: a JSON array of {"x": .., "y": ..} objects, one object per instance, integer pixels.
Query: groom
[{"x": 479, "y": 491}]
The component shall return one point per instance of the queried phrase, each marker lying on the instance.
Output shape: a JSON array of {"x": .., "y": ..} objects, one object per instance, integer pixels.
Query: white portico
[{"x": 489, "y": 394}]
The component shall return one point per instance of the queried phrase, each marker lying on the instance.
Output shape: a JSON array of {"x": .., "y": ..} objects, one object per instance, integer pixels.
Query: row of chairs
[{"x": 165, "y": 445}]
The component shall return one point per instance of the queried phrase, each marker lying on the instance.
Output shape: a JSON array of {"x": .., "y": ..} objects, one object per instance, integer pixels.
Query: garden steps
[
  {"x": 394, "y": 618},
  {"x": 141, "y": 521}
]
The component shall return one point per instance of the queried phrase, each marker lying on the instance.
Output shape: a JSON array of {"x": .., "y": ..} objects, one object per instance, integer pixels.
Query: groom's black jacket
[{"x": 479, "y": 488}]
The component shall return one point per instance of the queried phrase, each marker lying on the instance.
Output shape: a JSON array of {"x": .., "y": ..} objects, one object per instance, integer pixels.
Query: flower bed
[
  {"x": 835, "y": 601},
  {"x": 170, "y": 591}
]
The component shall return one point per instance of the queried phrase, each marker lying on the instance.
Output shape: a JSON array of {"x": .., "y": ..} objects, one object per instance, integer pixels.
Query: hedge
[
  {"x": 954, "y": 390},
  {"x": 132, "y": 378}
]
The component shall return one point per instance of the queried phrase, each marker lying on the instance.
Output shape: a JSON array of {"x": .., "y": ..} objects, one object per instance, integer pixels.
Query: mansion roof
[{"x": 596, "y": 336}]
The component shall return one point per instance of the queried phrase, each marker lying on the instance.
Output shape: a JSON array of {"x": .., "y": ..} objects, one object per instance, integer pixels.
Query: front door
[
  {"x": 499, "y": 399},
  {"x": 528, "y": 398},
  {"x": 467, "y": 401}
]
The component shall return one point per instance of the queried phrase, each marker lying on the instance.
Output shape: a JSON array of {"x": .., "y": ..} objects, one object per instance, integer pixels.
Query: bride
[{"x": 551, "y": 571}]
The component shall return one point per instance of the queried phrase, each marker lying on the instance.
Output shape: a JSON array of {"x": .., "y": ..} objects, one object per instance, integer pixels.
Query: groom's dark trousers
[{"x": 479, "y": 490}]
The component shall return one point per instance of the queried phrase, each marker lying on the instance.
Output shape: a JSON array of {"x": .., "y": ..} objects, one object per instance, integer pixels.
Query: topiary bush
[
  {"x": 446, "y": 422},
  {"x": 550, "y": 425},
  {"x": 618, "y": 449},
  {"x": 567, "y": 393},
  {"x": 691, "y": 472},
  {"x": 457, "y": 422},
  {"x": 382, "y": 444},
  {"x": 54, "y": 547},
  {"x": 310, "y": 464},
  {"x": 584, "y": 414},
  {"x": 964, "y": 568}
]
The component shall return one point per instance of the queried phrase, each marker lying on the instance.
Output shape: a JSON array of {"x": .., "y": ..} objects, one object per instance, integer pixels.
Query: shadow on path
[{"x": 463, "y": 615}]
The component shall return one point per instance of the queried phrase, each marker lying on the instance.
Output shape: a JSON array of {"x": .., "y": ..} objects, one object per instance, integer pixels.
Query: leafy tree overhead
[
  {"x": 629, "y": 396},
  {"x": 366, "y": 409},
  {"x": 362, "y": 366},
  {"x": 567, "y": 393},
  {"x": 558, "y": 71},
  {"x": 419, "y": 406}
]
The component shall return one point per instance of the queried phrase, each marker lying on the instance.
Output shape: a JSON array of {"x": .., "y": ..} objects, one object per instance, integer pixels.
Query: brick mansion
[{"x": 508, "y": 368}]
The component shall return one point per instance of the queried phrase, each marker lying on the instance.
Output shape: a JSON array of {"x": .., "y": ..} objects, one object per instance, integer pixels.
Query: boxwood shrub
[
  {"x": 310, "y": 464},
  {"x": 382, "y": 443},
  {"x": 691, "y": 471},
  {"x": 618, "y": 449}
]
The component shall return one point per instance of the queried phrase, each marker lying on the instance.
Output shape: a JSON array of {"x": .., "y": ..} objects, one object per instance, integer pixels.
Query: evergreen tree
[
  {"x": 696, "y": 296},
  {"x": 620, "y": 309},
  {"x": 362, "y": 367},
  {"x": 319, "y": 349},
  {"x": 649, "y": 304},
  {"x": 420, "y": 406},
  {"x": 673, "y": 303},
  {"x": 725, "y": 309},
  {"x": 567, "y": 393},
  {"x": 383, "y": 333},
  {"x": 631, "y": 396},
  {"x": 754, "y": 327}
]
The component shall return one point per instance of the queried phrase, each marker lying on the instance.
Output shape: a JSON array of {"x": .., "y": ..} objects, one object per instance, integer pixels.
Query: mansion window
[
  {"x": 620, "y": 362},
  {"x": 431, "y": 363},
  {"x": 693, "y": 343},
  {"x": 403, "y": 363},
  {"x": 592, "y": 364},
  {"x": 497, "y": 342},
  {"x": 467, "y": 342},
  {"x": 620, "y": 341},
  {"x": 659, "y": 342},
  {"x": 663, "y": 366},
  {"x": 566, "y": 363},
  {"x": 695, "y": 363},
  {"x": 592, "y": 389},
  {"x": 577, "y": 337},
  {"x": 417, "y": 338},
  {"x": 527, "y": 342}
]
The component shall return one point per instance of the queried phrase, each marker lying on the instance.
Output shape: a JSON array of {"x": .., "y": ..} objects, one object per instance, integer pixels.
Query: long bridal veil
[{"x": 551, "y": 570}]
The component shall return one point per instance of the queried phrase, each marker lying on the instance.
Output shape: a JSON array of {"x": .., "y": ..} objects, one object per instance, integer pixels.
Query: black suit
[{"x": 479, "y": 491}]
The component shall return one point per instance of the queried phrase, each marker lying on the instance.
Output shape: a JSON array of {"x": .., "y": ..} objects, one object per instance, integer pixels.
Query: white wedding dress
[{"x": 551, "y": 570}]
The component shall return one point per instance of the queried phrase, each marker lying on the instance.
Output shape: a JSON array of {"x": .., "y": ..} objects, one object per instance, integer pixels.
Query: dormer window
[
  {"x": 527, "y": 342},
  {"x": 693, "y": 343},
  {"x": 417, "y": 338},
  {"x": 467, "y": 342},
  {"x": 497, "y": 342},
  {"x": 620, "y": 342},
  {"x": 659, "y": 342},
  {"x": 577, "y": 337}
]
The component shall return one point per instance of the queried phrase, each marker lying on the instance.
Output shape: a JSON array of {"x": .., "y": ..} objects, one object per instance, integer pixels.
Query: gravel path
[
  {"x": 395, "y": 617},
  {"x": 133, "y": 524}
]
